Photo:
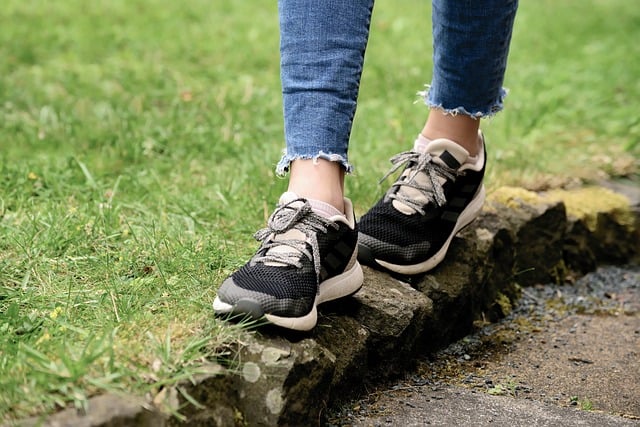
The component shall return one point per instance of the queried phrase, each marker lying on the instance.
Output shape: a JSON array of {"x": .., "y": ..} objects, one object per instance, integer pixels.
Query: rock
[
  {"x": 394, "y": 314},
  {"x": 539, "y": 227},
  {"x": 104, "y": 411}
]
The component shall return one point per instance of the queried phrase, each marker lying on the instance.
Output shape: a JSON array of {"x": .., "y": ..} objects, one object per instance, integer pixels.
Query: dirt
[{"x": 574, "y": 346}]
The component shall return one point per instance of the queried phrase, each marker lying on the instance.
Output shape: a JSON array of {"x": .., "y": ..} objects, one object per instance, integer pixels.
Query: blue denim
[{"x": 322, "y": 47}]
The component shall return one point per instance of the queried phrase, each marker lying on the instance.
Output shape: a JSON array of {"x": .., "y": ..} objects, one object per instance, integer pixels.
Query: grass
[
  {"x": 585, "y": 404},
  {"x": 138, "y": 142}
]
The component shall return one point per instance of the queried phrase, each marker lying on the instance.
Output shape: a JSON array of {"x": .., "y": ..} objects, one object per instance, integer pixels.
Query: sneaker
[
  {"x": 439, "y": 192},
  {"x": 304, "y": 260}
]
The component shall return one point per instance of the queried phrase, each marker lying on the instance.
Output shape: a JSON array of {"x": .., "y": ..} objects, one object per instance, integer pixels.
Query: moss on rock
[{"x": 587, "y": 203}]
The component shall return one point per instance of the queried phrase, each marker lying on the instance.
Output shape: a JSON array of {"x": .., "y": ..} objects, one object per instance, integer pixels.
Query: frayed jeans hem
[
  {"x": 285, "y": 162},
  {"x": 477, "y": 113}
]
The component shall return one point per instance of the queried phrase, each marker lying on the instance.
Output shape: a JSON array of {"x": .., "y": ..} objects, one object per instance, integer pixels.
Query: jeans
[{"x": 322, "y": 46}]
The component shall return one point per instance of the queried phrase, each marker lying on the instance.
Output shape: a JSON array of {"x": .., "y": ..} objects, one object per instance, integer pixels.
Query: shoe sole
[
  {"x": 343, "y": 285},
  {"x": 467, "y": 216}
]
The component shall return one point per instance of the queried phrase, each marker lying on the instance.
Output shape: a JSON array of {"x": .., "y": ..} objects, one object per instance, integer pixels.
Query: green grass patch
[{"x": 138, "y": 142}]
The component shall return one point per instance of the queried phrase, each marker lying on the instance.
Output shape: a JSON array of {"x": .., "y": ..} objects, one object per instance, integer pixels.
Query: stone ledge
[{"x": 521, "y": 238}]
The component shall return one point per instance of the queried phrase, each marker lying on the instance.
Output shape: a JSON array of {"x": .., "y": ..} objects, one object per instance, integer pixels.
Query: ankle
[
  {"x": 320, "y": 180},
  {"x": 461, "y": 129}
]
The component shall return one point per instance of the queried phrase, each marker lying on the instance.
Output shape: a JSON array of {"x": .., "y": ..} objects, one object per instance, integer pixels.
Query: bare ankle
[
  {"x": 460, "y": 129},
  {"x": 319, "y": 180}
]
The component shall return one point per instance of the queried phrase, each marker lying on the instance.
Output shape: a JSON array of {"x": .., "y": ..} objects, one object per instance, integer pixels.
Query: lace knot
[
  {"x": 416, "y": 163},
  {"x": 295, "y": 215}
]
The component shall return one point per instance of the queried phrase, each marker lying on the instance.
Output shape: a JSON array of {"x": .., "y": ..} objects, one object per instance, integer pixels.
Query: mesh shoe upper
[
  {"x": 300, "y": 249},
  {"x": 422, "y": 209}
]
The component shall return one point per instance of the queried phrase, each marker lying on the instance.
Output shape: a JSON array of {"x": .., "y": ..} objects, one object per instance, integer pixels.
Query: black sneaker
[
  {"x": 440, "y": 191},
  {"x": 304, "y": 260}
]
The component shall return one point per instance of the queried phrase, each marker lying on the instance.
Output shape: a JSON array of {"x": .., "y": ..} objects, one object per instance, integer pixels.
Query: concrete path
[
  {"x": 567, "y": 356},
  {"x": 458, "y": 406}
]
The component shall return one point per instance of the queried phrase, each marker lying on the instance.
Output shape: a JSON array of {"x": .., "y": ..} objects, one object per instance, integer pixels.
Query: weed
[{"x": 586, "y": 404}]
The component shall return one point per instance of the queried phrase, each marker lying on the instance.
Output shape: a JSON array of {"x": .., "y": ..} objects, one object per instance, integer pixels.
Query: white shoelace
[
  {"x": 296, "y": 215},
  {"x": 435, "y": 173}
]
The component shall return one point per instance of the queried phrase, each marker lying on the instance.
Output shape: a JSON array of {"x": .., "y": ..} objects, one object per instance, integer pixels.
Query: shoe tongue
[
  {"x": 294, "y": 201},
  {"x": 443, "y": 152},
  {"x": 319, "y": 207},
  {"x": 288, "y": 197}
]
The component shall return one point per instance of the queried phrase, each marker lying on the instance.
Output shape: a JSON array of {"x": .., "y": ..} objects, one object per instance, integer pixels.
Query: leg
[
  {"x": 471, "y": 42},
  {"x": 319, "y": 179},
  {"x": 460, "y": 128},
  {"x": 322, "y": 51},
  {"x": 308, "y": 250},
  {"x": 440, "y": 190}
]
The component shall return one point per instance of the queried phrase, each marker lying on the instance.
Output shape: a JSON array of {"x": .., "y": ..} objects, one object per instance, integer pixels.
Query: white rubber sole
[
  {"x": 347, "y": 283},
  {"x": 466, "y": 217},
  {"x": 340, "y": 286},
  {"x": 221, "y": 307}
]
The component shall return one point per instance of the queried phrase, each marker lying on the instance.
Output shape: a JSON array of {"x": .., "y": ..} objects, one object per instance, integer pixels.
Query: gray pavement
[
  {"x": 567, "y": 356},
  {"x": 457, "y": 406}
]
